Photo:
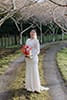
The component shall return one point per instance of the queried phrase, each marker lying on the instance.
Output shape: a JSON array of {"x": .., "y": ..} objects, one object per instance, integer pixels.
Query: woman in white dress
[{"x": 32, "y": 82}]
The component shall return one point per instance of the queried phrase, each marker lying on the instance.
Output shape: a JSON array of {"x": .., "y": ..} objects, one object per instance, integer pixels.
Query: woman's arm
[
  {"x": 27, "y": 41},
  {"x": 37, "y": 48}
]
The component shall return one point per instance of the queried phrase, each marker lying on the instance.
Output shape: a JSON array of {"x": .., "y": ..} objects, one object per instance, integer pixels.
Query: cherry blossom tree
[
  {"x": 60, "y": 15},
  {"x": 40, "y": 11}
]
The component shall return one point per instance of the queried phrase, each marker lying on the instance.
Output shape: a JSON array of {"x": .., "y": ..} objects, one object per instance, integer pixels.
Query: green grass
[
  {"x": 19, "y": 93},
  {"x": 6, "y": 57},
  {"x": 62, "y": 62},
  {"x": 65, "y": 36}
]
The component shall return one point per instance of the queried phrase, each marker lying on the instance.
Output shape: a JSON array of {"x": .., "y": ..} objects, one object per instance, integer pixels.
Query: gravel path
[{"x": 52, "y": 74}]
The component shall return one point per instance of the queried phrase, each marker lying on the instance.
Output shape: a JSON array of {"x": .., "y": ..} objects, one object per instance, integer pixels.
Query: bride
[{"x": 32, "y": 81}]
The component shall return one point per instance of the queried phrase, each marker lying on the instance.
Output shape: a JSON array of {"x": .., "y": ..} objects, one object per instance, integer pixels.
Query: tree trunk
[{"x": 41, "y": 33}]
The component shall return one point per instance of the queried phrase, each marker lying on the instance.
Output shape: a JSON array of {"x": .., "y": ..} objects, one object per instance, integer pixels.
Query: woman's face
[{"x": 32, "y": 34}]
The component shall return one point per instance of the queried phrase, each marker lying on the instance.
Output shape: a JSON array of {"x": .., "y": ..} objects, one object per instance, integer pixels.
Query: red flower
[{"x": 26, "y": 50}]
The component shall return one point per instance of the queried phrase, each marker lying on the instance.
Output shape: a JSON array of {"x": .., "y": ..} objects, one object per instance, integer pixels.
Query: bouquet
[{"x": 26, "y": 50}]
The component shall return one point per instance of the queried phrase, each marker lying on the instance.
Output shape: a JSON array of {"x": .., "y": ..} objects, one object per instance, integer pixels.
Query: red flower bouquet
[{"x": 26, "y": 50}]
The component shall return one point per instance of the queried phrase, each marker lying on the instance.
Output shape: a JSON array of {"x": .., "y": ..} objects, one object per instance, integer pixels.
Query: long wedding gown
[{"x": 32, "y": 73}]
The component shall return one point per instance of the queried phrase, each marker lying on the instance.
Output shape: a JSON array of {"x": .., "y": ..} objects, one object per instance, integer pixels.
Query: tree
[
  {"x": 11, "y": 9},
  {"x": 60, "y": 18},
  {"x": 59, "y": 4},
  {"x": 43, "y": 11}
]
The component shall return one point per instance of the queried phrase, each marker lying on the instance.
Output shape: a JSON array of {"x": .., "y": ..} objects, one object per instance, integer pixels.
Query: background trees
[{"x": 35, "y": 13}]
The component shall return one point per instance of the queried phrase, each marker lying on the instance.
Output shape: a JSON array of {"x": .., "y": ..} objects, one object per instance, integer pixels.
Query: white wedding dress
[{"x": 32, "y": 81}]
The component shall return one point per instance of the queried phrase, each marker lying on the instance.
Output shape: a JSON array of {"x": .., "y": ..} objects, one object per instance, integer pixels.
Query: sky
[{"x": 41, "y": 0}]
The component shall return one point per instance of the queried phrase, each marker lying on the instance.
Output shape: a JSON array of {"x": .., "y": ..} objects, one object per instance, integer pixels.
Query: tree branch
[
  {"x": 16, "y": 23},
  {"x": 55, "y": 19},
  {"x": 12, "y": 12},
  {"x": 27, "y": 29},
  {"x": 62, "y": 5}
]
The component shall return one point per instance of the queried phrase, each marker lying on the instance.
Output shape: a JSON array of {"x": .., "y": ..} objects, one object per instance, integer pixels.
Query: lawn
[
  {"x": 62, "y": 62},
  {"x": 6, "y": 57}
]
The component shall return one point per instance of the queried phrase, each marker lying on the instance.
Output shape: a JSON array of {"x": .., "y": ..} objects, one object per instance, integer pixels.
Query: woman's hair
[{"x": 34, "y": 31}]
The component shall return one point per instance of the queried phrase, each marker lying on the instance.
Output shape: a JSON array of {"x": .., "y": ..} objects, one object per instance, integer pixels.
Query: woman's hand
[{"x": 27, "y": 55}]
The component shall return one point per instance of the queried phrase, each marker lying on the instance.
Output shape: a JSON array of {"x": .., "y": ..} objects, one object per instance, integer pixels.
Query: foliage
[{"x": 9, "y": 28}]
